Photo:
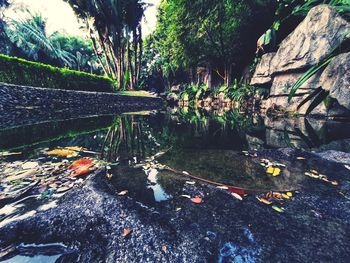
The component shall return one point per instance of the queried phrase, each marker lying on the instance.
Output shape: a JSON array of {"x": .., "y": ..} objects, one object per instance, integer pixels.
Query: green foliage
[
  {"x": 30, "y": 38},
  {"x": 216, "y": 33},
  {"x": 22, "y": 72}
]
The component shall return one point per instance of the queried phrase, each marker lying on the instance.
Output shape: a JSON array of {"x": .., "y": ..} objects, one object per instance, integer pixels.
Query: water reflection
[{"x": 206, "y": 145}]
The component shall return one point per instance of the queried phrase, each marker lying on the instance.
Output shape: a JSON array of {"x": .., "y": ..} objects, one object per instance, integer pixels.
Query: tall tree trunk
[
  {"x": 135, "y": 55},
  {"x": 140, "y": 52},
  {"x": 209, "y": 76},
  {"x": 228, "y": 75},
  {"x": 129, "y": 66}
]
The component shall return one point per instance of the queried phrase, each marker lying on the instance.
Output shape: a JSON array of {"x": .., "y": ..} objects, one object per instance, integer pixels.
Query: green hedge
[{"x": 22, "y": 72}]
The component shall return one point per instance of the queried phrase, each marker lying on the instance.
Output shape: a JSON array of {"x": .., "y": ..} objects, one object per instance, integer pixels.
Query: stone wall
[
  {"x": 322, "y": 30},
  {"x": 20, "y": 105}
]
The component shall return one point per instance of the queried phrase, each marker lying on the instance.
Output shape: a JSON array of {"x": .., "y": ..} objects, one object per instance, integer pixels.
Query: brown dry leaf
[
  {"x": 126, "y": 232},
  {"x": 164, "y": 248}
]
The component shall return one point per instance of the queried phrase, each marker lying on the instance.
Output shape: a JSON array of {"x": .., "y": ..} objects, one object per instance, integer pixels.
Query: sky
[{"x": 60, "y": 16}]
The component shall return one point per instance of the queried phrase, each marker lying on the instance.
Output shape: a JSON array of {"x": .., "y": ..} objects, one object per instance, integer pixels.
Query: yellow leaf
[
  {"x": 290, "y": 194},
  {"x": 285, "y": 196},
  {"x": 276, "y": 172},
  {"x": 62, "y": 152},
  {"x": 300, "y": 158},
  {"x": 269, "y": 170},
  {"x": 74, "y": 148}
]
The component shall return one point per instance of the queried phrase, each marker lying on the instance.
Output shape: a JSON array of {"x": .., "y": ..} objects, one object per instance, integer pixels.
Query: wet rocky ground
[{"x": 95, "y": 224}]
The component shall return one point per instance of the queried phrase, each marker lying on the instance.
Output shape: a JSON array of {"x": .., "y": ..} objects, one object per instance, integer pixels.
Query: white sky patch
[{"x": 60, "y": 16}]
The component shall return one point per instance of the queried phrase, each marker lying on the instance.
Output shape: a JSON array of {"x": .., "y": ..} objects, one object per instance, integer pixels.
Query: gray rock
[
  {"x": 335, "y": 156},
  {"x": 283, "y": 83},
  {"x": 282, "y": 103},
  {"x": 336, "y": 79},
  {"x": 321, "y": 31},
  {"x": 262, "y": 73}
]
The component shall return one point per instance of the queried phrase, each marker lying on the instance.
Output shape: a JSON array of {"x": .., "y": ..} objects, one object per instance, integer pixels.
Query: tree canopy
[{"x": 217, "y": 34}]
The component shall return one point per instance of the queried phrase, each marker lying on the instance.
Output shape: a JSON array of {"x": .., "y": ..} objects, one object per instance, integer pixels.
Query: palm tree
[
  {"x": 115, "y": 29},
  {"x": 30, "y": 37},
  {"x": 3, "y": 37}
]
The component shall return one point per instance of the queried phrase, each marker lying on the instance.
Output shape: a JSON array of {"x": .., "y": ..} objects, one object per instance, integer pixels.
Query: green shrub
[{"x": 21, "y": 72}]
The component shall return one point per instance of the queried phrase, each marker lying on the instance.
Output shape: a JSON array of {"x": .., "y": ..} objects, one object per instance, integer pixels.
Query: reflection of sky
[
  {"x": 33, "y": 259},
  {"x": 158, "y": 191},
  {"x": 60, "y": 16}
]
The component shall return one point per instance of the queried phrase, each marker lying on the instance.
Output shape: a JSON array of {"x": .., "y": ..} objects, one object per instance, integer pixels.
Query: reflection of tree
[{"x": 125, "y": 139}]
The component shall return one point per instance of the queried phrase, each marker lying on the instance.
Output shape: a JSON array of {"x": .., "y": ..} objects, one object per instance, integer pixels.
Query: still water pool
[{"x": 153, "y": 156}]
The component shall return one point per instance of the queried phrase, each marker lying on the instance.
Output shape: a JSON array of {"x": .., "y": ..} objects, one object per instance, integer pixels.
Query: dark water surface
[{"x": 136, "y": 146}]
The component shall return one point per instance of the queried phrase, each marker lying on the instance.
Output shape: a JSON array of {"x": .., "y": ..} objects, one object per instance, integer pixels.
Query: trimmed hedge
[{"x": 22, "y": 72}]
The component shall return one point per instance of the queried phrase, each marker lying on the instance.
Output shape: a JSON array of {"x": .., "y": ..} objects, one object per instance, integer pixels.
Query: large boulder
[
  {"x": 262, "y": 74},
  {"x": 336, "y": 79},
  {"x": 321, "y": 31}
]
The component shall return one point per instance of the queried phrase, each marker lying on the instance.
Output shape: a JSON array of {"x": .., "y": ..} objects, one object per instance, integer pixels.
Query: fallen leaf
[
  {"x": 222, "y": 187},
  {"x": 164, "y": 248},
  {"x": 274, "y": 171},
  {"x": 29, "y": 165},
  {"x": 178, "y": 209},
  {"x": 81, "y": 171},
  {"x": 63, "y": 189},
  {"x": 285, "y": 196},
  {"x": 81, "y": 162},
  {"x": 300, "y": 158},
  {"x": 278, "y": 209},
  {"x": 236, "y": 190},
  {"x": 20, "y": 176},
  {"x": 123, "y": 192},
  {"x": 263, "y": 200},
  {"x": 126, "y": 232},
  {"x": 63, "y": 153},
  {"x": 334, "y": 182},
  {"x": 186, "y": 196},
  {"x": 190, "y": 182},
  {"x": 237, "y": 196},
  {"x": 290, "y": 194},
  {"x": 314, "y": 171},
  {"x": 74, "y": 148},
  {"x": 196, "y": 200},
  {"x": 186, "y": 173},
  {"x": 347, "y": 166}
]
